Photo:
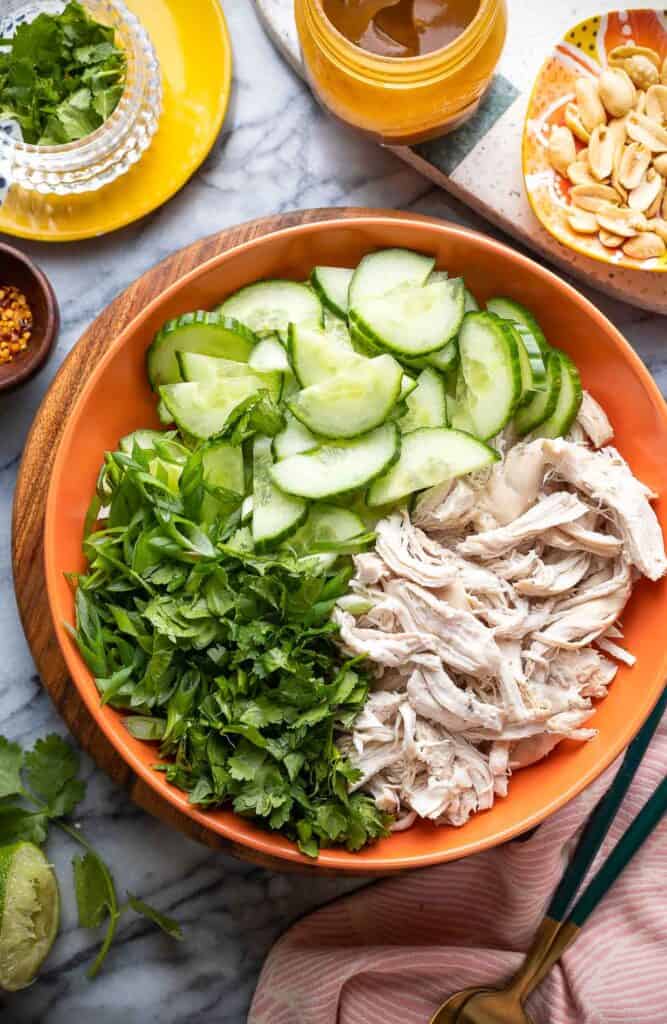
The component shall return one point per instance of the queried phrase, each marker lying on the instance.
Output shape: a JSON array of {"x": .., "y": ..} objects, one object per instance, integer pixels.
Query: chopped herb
[
  {"x": 61, "y": 76},
  {"x": 228, "y": 659}
]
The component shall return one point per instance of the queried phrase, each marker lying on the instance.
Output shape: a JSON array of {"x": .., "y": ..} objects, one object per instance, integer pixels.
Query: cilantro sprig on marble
[
  {"x": 40, "y": 788},
  {"x": 228, "y": 659},
  {"x": 61, "y": 76}
]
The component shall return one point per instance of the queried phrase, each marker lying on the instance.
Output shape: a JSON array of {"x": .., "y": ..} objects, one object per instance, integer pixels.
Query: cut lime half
[{"x": 29, "y": 913}]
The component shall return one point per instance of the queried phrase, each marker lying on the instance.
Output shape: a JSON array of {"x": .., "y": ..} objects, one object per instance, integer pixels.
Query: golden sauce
[{"x": 400, "y": 28}]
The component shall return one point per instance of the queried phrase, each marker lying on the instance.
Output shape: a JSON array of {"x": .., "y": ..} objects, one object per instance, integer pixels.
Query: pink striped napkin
[{"x": 393, "y": 952}]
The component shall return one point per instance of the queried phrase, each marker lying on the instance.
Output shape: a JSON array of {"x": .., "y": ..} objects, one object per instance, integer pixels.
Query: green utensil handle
[
  {"x": 598, "y": 824},
  {"x": 623, "y": 852}
]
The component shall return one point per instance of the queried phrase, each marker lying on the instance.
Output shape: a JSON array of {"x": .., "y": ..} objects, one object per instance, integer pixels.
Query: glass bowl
[{"x": 99, "y": 158}]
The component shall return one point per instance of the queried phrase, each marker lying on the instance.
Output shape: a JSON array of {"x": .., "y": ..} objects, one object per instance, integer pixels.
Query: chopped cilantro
[{"x": 61, "y": 76}]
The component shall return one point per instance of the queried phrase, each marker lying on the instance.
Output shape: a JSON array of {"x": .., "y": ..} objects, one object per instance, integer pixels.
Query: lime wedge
[{"x": 29, "y": 913}]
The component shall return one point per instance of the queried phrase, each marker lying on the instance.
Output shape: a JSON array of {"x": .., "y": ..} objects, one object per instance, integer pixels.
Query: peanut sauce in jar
[{"x": 400, "y": 28}]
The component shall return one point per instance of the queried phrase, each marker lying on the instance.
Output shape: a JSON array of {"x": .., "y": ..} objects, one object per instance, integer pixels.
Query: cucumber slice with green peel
[
  {"x": 203, "y": 410},
  {"x": 275, "y": 515},
  {"x": 458, "y": 416},
  {"x": 381, "y": 272},
  {"x": 205, "y": 369},
  {"x": 163, "y": 414},
  {"x": 294, "y": 439},
  {"x": 247, "y": 506},
  {"x": 29, "y": 913},
  {"x": 211, "y": 334},
  {"x": 336, "y": 469},
  {"x": 426, "y": 405},
  {"x": 429, "y": 456},
  {"x": 543, "y": 404},
  {"x": 337, "y": 329},
  {"x": 268, "y": 306},
  {"x": 408, "y": 385},
  {"x": 508, "y": 309},
  {"x": 491, "y": 372},
  {"x": 536, "y": 354},
  {"x": 525, "y": 365},
  {"x": 437, "y": 275},
  {"x": 269, "y": 356},
  {"x": 332, "y": 285},
  {"x": 316, "y": 355},
  {"x": 470, "y": 303},
  {"x": 569, "y": 400},
  {"x": 353, "y": 401},
  {"x": 326, "y": 524},
  {"x": 223, "y": 469},
  {"x": 445, "y": 358},
  {"x": 412, "y": 321},
  {"x": 362, "y": 343}
]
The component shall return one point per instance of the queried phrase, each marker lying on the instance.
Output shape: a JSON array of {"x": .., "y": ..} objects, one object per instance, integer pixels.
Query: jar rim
[{"x": 406, "y": 69}]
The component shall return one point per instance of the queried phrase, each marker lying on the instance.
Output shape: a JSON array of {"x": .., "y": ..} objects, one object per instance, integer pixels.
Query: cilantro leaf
[
  {"x": 167, "y": 924},
  {"x": 17, "y": 823},
  {"x": 11, "y": 762},
  {"x": 94, "y": 890},
  {"x": 51, "y": 769}
]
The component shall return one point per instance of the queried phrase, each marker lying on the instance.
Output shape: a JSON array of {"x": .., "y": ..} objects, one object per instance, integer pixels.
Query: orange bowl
[{"x": 117, "y": 399}]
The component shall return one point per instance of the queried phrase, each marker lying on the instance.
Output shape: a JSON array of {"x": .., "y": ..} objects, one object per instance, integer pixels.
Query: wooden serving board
[{"x": 30, "y": 502}]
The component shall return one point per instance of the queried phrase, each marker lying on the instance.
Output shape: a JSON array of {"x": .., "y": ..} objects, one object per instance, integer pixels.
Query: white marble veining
[{"x": 278, "y": 151}]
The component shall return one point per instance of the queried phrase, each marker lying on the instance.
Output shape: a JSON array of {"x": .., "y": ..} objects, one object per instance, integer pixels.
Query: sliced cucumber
[
  {"x": 525, "y": 365},
  {"x": 268, "y": 356},
  {"x": 383, "y": 271},
  {"x": 426, "y": 404},
  {"x": 223, "y": 467},
  {"x": 351, "y": 402},
  {"x": 271, "y": 305},
  {"x": 332, "y": 285},
  {"x": 491, "y": 372},
  {"x": 338, "y": 468},
  {"x": 202, "y": 410},
  {"x": 412, "y": 321},
  {"x": 205, "y": 369},
  {"x": 445, "y": 358},
  {"x": 294, "y": 439},
  {"x": 275, "y": 515},
  {"x": 437, "y": 275},
  {"x": 163, "y": 414},
  {"x": 458, "y": 416},
  {"x": 569, "y": 400},
  {"x": 337, "y": 329},
  {"x": 543, "y": 403},
  {"x": 211, "y": 334},
  {"x": 326, "y": 524},
  {"x": 429, "y": 456},
  {"x": 508, "y": 309},
  {"x": 470, "y": 303},
  {"x": 246, "y": 509},
  {"x": 316, "y": 355},
  {"x": 408, "y": 385}
]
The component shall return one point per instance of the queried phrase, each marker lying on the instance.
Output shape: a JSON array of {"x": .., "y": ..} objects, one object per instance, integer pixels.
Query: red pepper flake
[{"x": 15, "y": 323}]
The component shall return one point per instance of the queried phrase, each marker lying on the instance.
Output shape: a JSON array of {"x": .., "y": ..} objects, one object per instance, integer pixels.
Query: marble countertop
[{"x": 277, "y": 151}]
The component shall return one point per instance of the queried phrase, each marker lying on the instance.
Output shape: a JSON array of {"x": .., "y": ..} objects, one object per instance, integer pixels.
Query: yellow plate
[
  {"x": 582, "y": 51},
  {"x": 195, "y": 60}
]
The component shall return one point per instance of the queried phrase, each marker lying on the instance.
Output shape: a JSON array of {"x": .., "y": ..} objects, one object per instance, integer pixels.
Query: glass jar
[
  {"x": 401, "y": 100},
  {"x": 98, "y": 159}
]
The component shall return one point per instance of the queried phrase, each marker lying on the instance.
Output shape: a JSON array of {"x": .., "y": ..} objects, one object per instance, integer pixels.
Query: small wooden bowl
[{"x": 16, "y": 269}]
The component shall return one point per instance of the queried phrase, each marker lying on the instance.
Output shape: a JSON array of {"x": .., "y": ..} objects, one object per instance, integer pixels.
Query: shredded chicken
[{"x": 492, "y": 620}]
